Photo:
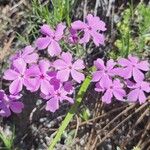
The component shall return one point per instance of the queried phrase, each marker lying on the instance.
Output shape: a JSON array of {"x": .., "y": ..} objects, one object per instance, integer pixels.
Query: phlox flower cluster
[
  {"x": 113, "y": 79},
  {"x": 54, "y": 77}
]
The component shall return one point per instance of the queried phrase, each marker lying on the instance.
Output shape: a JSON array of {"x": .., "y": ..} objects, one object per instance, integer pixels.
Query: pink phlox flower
[
  {"x": 104, "y": 73},
  {"x": 50, "y": 39},
  {"x": 138, "y": 91},
  {"x": 66, "y": 67},
  {"x": 9, "y": 103},
  {"x": 55, "y": 97},
  {"x": 132, "y": 67},
  {"x": 40, "y": 78},
  {"x": 92, "y": 28},
  {"x": 113, "y": 89},
  {"x": 73, "y": 36},
  {"x": 28, "y": 54},
  {"x": 18, "y": 76}
]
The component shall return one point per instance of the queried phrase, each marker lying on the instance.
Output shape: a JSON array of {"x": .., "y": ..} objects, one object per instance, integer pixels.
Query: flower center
[
  {"x": 58, "y": 94},
  {"x": 111, "y": 87},
  {"x": 70, "y": 67},
  {"x": 42, "y": 76},
  {"x": 89, "y": 28}
]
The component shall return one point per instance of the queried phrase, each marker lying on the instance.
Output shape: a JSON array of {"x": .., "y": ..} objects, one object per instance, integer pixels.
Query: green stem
[{"x": 71, "y": 112}]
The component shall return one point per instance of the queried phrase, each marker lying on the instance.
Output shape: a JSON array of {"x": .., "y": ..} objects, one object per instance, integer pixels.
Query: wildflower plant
[{"x": 54, "y": 76}]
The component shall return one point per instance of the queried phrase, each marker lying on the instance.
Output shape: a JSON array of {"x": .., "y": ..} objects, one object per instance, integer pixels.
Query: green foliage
[
  {"x": 85, "y": 114},
  {"x": 125, "y": 43},
  {"x": 134, "y": 31},
  {"x": 71, "y": 112},
  {"x": 7, "y": 140},
  {"x": 49, "y": 13},
  {"x": 136, "y": 148}
]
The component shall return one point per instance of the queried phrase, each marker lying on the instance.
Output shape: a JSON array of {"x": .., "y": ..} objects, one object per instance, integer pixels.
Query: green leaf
[{"x": 71, "y": 112}]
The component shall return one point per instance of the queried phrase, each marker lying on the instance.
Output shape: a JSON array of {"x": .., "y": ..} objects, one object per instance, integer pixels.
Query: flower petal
[
  {"x": 63, "y": 75},
  {"x": 77, "y": 76},
  {"x": 107, "y": 97},
  {"x": 85, "y": 38},
  {"x": 45, "y": 87},
  {"x": 60, "y": 64},
  {"x": 137, "y": 75},
  {"x": 133, "y": 95},
  {"x": 42, "y": 43},
  {"x": 20, "y": 65},
  {"x": 46, "y": 30},
  {"x": 142, "y": 97},
  {"x": 16, "y": 86},
  {"x": 143, "y": 65},
  {"x": 78, "y": 64},
  {"x": 10, "y": 75},
  {"x": 54, "y": 49},
  {"x": 97, "y": 76},
  {"x": 16, "y": 107},
  {"x": 59, "y": 31},
  {"x": 44, "y": 66},
  {"x": 77, "y": 25},
  {"x": 52, "y": 105}
]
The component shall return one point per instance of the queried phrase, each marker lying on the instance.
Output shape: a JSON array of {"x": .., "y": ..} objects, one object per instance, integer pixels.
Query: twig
[
  {"x": 126, "y": 119},
  {"x": 118, "y": 116},
  {"x": 124, "y": 143}
]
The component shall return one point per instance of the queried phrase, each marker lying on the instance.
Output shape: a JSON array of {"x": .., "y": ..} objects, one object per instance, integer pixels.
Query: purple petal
[
  {"x": 97, "y": 76},
  {"x": 69, "y": 99},
  {"x": 59, "y": 31},
  {"x": 142, "y": 97},
  {"x": 46, "y": 30},
  {"x": 44, "y": 66},
  {"x": 78, "y": 64},
  {"x": 52, "y": 105},
  {"x": 143, "y": 65},
  {"x": 60, "y": 64},
  {"x": 133, "y": 95},
  {"x": 42, "y": 43},
  {"x": 45, "y": 87},
  {"x": 20, "y": 65},
  {"x": 145, "y": 86},
  {"x": 77, "y": 25},
  {"x": 137, "y": 75},
  {"x": 31, "y": 58},
  {"x": 95, "y": 23},
  {"x": 99, "y": 64},
  {"x": 77, "y": 76},
  {"x": 98, "y": 38},
  {"x": 10, "y": 75},
  {"x": 107, "y": 97},
  {"x": 16, "y": 107},
  {"x": 16, "y": 86},
  {"x": 119, "y": 94},
  {"x": 85, "y": 38},
  {"x": 63, "y": 75},
  {"x": 105, "y": 81},
  {"x": 27, "y": 50},
  {"x": 124, "y": 62},
  {"x": 67, "y": 57},
  {"x": 54, "y": 49}
]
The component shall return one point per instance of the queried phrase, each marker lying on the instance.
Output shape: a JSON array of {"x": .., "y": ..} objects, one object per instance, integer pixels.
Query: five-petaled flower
[
  {"x": 113, "y": 89},
  {"x": 9, "y": 103},
  {"x": 104, "y": 73},
  {"x": 18, "y": 76},
  {"x": 28, "y": 54},
  {"x": 65, "y": 67},
  {"x": 138, "y": 91},
  {"x": 132, "y": 67},
  {"x": 51, "y": 39},
  {"x": 92, "y": 28}
]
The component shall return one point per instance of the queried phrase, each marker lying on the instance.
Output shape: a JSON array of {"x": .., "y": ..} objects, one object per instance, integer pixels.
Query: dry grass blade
[
  {"x": 122, "y": 122},
  {"x": 6, "y": 49}
]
